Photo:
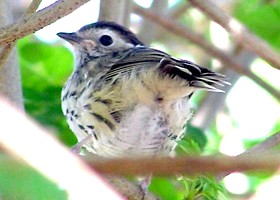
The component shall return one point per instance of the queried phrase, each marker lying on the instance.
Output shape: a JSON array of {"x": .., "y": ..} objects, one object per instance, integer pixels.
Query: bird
[{"x": 125, "y": 99}]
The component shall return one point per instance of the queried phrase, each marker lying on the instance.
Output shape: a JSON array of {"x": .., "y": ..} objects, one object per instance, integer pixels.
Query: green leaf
[
  {"x": 262, "y": 18},
  {"x": 193, "y": 142},
  {"x": 197, "y": 135},
  {"x": 44, "y": 70},
  {"x": 43, "y": 64},
  {"x": 164, "y": 188},
  {"x": 203, "y": 186}
]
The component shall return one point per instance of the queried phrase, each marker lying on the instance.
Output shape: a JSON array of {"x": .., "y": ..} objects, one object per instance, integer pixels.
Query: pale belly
[
  {"x": 153, "y": 113},
  {"x": 142, "y": 131}
]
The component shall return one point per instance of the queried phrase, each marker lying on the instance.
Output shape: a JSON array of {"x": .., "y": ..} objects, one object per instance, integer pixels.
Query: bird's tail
[{"x": 196, "y": 76}]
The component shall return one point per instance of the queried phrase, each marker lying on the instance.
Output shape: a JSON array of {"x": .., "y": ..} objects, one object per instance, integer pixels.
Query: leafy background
[{"x": 46, "y": 66}]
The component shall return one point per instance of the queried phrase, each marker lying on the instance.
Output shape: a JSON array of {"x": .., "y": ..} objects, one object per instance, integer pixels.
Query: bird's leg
[
  {"x": 78, "y": 147},
  {"x": 144, "y": 184}
]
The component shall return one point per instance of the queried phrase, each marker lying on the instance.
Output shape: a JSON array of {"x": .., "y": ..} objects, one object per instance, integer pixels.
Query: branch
[
  {"x": 32, "y": 7},
  {"x": 188, "y": 165},
  {"x": 179, "y": 10},
  {"x": 46, "y": 155},
  {"x": 5, "y": 52},
  {"x": 119, "y": 14},
  {"x": 10, "y": 82},
  {"x": 38, "y": 20},
  {"x": 184, "y": 32},
  {"x": 8, "y": 48},
  {"x": 269, "y": 143},
  {"x": 239, "y": 32},
  {"x": 147, "y": 26},
  {"x": 258, "y": 158}
]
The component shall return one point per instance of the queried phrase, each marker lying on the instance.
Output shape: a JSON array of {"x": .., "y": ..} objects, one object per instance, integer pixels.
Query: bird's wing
[
  {"x": 134, "y": 60},
  {"x": 196, "y": 76}
]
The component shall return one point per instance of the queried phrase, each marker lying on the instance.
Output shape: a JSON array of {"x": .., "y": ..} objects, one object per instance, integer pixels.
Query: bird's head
[{"x": 99, "y": 39}]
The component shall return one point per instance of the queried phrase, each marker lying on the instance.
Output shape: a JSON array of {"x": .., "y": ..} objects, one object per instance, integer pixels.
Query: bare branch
[
  {"x": 127, "y": 12},
  {"x": 190, "y": 165},
  {"x": 38, "y": 20},
  {"x": 258, "y": 158},
  {"x": 179, "y": 10},
  {"x": 9, "y": 69},
  {"x": 269, "y": 143},
  {"x": 32, "y": 7},
  {"x": 4, "y": 54},
  {"x": 261, "y": 147},
  {"x": 184, "y": 32},
  {"x": 117, "y": 14},
  {"x": 241, "y": 35},
  {"x": 148, "y": 29}
]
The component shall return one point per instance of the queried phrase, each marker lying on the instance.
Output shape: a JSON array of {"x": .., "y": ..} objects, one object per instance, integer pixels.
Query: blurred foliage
[
  {"x": 44, "y": 70},
  {"x": 261, "y": 17},
  {"x": 193, "y": 142},
  {"x": 21, "y": 182}
]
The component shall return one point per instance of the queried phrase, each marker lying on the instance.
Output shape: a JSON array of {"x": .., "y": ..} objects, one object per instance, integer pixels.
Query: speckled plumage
[{"x": 132, "y": 99}]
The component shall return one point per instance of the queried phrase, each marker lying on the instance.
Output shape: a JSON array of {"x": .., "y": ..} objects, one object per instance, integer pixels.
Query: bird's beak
[{"x": 70, "y": 37}]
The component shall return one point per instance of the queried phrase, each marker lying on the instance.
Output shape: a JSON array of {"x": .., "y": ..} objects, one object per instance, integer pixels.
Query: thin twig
[
  {"x": 239, "y": 32},
  {"x": 8, "y": 48},
  {"x": 267, "y": 144},
  {"x": 32, "y": 7},
  {"x": 38, "y": 20},
  {"x": 261, "y": 147},
  {"x": 184, "y": 32}
]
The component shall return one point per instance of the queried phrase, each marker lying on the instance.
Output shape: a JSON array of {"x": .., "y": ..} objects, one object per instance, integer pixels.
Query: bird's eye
[{"x": 106, "y": 40}]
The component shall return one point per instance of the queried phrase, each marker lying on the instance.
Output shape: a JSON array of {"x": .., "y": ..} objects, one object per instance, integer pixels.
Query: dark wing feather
[
  {"x": 140, "y": 57},
  {"x": 196, "y": 75},
  {"x": 134, "y": 60}
]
